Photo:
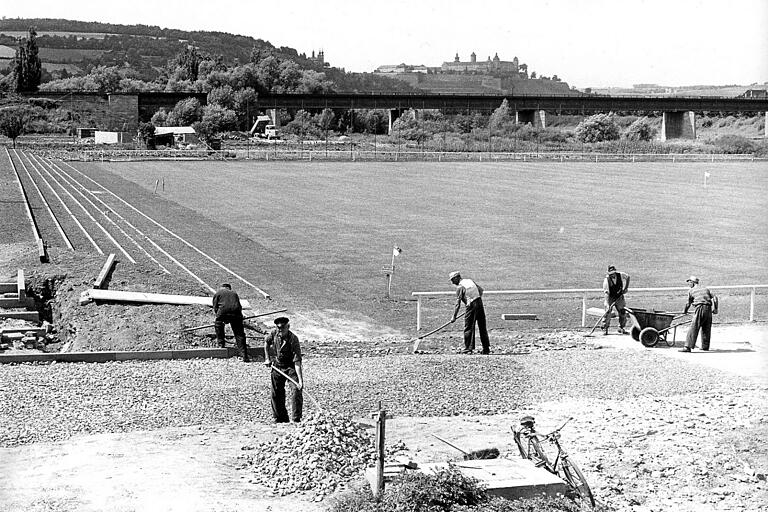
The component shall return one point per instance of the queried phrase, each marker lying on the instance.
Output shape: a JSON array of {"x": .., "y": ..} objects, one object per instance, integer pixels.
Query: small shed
[
  {"x": 184, "y": 134},
  {"x": 113, "y": 137}
]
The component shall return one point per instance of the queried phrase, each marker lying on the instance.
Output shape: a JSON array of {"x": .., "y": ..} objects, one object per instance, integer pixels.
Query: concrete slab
[
  {"x": 508, "y": 478},
  {"x": 143, "y": 356}
]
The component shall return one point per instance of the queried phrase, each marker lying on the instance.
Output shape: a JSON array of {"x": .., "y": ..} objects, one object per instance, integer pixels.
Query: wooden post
[
  {"x": 584, "y": 310},
  {"x": 752, "y": 305},
  {"x": 381, "y": 422},
  {"x": 418, "y": 313}
]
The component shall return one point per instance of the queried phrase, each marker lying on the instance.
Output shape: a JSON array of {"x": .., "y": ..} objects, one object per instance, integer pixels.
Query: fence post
[
  {"x": 584, "y": 310},
  {"x": 752, "y": 305},
  {"x": 418, "y": 313}
]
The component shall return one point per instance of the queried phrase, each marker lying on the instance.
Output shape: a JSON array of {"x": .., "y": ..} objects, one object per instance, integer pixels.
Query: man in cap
[
  {"x": 227, "y": 308},
  {"x": 705, "y": 304},
  {"x": 615, "y": 285},
  {"x": 282, "y": 350},
  {"x": 470, "y": 293}
]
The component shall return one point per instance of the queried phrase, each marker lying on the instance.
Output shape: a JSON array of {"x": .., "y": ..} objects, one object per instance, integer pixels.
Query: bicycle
[{"x": 529, "y": 444}]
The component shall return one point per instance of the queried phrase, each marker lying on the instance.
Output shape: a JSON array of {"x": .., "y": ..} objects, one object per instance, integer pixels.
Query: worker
[
  {"x": 228, "y": 310},
  {"x": 470, "y": 293},
  {"x": 615, "y": 285},
  {"x": 705, "y": 304},
  {"x": 283, "y": 351}
]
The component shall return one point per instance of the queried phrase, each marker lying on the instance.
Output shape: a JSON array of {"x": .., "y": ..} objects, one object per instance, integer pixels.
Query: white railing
[{"x": 587, "y": 292}]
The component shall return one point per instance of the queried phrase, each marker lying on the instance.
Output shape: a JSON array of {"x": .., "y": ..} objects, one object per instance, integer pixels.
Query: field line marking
[
  {"x": 109, "y": 235},
  {"x": 61, "y": 171},
  {"x": 215, "y": 262},
  {"x": 45, "y": 202},
  {"x": 68, "y": 210},
  {"x": 27, "y": 208},
  {"x": 70, "y": 182},
  {"x": 63, "y": 186}
]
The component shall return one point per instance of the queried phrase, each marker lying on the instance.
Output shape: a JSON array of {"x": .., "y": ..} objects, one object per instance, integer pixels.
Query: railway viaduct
[
  {"x": 124, "y": 111},
  {"x": 678, "y": 113}
]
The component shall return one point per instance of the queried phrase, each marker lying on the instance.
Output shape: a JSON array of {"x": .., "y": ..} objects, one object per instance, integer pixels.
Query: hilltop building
[
  {"x": 490, "y": 66},
  {"x": 319, "y": 59}
]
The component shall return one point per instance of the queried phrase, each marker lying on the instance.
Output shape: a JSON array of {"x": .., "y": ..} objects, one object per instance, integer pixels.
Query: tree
[
  {"x": 219, "y": 119},
  {"x": 14, "y": 120},
  {"x": 185, "y": 113},
  {"x": 641, "y": 130},
  {"x": 598, "y": 128},
  {"x": 27, "y": 69},
  {"x": 500, "y": 116},
  {"x": 186, "y": 65},
  {"x": 325, "y": 120},
  {"x": 146, "y": 134}
]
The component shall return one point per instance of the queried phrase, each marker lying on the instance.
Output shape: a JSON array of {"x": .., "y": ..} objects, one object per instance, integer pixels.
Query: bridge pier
[
  {"x": 678, "y": 125},
  {"x": 394, "y": 113},
  {"x": 274, "y": 116},
  {"x": 535, "y": 117}
]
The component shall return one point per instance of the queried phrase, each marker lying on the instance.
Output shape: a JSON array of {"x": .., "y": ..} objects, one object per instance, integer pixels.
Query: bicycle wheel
[{"x": 575, "y": 479}]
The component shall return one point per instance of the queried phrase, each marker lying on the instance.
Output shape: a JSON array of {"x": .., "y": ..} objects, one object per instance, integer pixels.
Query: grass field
[{"x": 510, "y": 225}]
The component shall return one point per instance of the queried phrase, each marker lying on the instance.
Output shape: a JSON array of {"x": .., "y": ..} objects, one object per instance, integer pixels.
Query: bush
[
  {"x": 641, "y": 130},
  {"x": 598, "y": 128},
  {"x": 418, "y": 492},
  {"x": 734, "y": 144}
]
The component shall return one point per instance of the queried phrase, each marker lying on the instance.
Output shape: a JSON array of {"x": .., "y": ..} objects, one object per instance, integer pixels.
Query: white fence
[
  {"x": 584, "y": 293},
  {"x": 295, "y": 152}
]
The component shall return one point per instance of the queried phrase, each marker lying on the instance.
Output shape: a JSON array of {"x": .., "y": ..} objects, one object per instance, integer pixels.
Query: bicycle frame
[{"x": 562, "y": 466}]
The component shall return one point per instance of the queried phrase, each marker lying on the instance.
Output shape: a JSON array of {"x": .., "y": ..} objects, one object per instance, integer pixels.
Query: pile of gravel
[{"x": 322, "y": 454}]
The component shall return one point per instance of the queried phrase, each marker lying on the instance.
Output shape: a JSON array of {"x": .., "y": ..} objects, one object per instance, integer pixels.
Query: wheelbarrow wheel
[
  {"x": 635, "y": 332},
  {"x": 649, "y": 337}
]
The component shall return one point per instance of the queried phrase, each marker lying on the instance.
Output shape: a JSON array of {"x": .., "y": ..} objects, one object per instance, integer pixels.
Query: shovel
[
  {"x": 190, "y": 329},
  {"x": 417, "y": 341},
  {"x": 607, "y": 311},
  {"x": 484, "y": 454}
]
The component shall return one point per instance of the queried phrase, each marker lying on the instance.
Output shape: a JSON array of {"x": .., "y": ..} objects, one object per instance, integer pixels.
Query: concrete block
[
  {"x": 195, "y": 353},
  {"x": 143, "y": 355},
  {"x": 25, "y": 358},
  {"x": 84, "y": 357},
  {"x": 32, "y": 316}
]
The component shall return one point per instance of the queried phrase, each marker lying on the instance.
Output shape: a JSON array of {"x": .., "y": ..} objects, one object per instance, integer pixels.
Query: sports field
[{"x": 511, "y": 225}]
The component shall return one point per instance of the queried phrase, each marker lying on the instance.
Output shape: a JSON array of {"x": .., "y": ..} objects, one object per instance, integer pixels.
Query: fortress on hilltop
[
  {"x": 490, "y": 66},
  {"x": 490, "y": 76}
]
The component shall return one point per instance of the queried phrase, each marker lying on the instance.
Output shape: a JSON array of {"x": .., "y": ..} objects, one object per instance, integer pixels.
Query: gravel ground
[{"x": 55, "y": 401}]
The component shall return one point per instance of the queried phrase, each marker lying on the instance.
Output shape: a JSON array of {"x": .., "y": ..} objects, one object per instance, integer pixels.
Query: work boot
[
  {"x": 684, "y": 349},
  {"x": 622, "y": 331}
]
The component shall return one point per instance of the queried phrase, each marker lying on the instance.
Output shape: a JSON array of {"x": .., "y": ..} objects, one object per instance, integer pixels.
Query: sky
[{"x": 587, "y": 43}]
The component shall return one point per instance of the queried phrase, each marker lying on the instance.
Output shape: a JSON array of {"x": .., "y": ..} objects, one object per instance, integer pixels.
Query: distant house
[
  {"x": 183, "y": 134},
  {"x": 755, "y": 93}
]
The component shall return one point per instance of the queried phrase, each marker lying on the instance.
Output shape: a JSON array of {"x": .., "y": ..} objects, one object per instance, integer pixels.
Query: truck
[{"x": 264, "y": 128}]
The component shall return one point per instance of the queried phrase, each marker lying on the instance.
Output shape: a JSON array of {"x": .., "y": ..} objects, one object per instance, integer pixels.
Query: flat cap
[
  {"x": 281, "y": 320},
  {"x": 692, "y": 279},
  {"x": 453, "y": 274},
  {"x": 611, "y": 268}
]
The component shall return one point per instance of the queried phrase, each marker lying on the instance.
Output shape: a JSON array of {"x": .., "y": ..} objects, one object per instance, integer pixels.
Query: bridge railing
[{"x": 585, "y": 294}]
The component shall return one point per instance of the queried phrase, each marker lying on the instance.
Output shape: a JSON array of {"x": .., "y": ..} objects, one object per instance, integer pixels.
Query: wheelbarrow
[{"x": 648, "y": 327}]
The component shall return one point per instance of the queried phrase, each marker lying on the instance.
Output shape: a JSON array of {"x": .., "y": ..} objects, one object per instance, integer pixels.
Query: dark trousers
[
  {"x": 236, "y": 322},
  {"x": 475, "y": 315},
  {"x": 702, "y": 319},
  {"x": 279, "y": 412}
]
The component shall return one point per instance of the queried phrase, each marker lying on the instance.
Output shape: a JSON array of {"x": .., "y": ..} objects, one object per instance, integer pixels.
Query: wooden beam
[
  {"x": 42, "y": 250},
  {"x": 148, "y": 298},
  {"x": 519, "y": 316},
  {"x": 106, "y": 270},
  {"x": 599, "y": 312}
]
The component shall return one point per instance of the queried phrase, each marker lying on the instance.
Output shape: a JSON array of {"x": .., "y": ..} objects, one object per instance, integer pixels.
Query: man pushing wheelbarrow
[{"x": 615, "y": 285}]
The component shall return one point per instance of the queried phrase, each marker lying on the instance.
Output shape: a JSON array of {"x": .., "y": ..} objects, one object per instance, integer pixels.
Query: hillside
[{"x": 73, "y": 48}]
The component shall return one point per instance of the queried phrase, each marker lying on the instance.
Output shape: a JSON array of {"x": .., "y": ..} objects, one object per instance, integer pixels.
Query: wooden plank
[
  {"x": 149, "y": 298},
  {"x": 106, "y": 270},
  {"x": 8, "y": 288},
  {"x": 37, "y": 331},
  {"x": 519, "y": 316},
  {"x": 16, "y": 303},
  {"x": 42, "y": 250},
  {"x": 21, "y": 285}
]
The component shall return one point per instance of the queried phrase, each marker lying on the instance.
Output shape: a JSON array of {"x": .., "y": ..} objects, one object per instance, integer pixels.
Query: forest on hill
[{"x": 145, "y": 57}]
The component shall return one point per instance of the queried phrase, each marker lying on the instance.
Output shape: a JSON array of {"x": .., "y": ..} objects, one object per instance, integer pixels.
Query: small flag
[{"x": 396, "y": 250}]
